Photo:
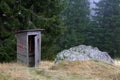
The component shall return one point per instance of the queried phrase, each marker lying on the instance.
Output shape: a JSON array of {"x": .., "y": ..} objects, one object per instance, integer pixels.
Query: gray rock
[{"x": 83, "y": 52}]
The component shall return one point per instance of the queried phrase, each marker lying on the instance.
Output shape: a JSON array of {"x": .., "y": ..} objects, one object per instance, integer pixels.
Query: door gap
[{"x": 31, "y": 50}]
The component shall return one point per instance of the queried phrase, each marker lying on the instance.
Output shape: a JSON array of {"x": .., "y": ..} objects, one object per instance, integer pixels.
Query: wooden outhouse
[{"x": 29, "y": 47}]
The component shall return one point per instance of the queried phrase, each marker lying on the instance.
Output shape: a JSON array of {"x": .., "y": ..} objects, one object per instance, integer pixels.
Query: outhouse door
[
  {"x": 33, "y": 50},
  {"x": 37, "y": 50}
]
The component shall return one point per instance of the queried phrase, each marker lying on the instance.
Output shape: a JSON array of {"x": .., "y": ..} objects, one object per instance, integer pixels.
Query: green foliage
[
  {"x": 106, "y": 24},
  {"x": 29, "y": 14},
  {"x": 76, "y": 19},
  {"x": 7, "y": 47}
]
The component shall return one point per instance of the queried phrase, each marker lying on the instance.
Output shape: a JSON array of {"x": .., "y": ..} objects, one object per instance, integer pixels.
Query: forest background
[{"x": 67, "y": 23}]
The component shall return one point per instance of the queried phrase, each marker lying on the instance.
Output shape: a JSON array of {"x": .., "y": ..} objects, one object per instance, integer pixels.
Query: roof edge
[{"x": 30, "y": 30}]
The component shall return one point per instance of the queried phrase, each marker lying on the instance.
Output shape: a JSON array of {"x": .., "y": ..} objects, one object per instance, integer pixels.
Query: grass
[
  {"x": 117, "y": 62},
  {"x": 14, "y": 71},
  {"x": 78, "y": 70},
  {"x": 92, "y": 69}
]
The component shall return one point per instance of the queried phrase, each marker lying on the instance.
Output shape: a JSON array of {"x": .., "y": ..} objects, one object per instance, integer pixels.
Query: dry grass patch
[
  {"x": 78, "y": 70},
  {"x": 117, "y": 62},
  {"x": 14, "y": 71},
  {"x": 99, "y": 70}
]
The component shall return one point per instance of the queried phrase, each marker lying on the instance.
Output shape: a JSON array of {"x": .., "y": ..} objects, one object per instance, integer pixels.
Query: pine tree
[
  {"x": 28, "y": 14},
  {"x": 46, "y": 15},
  {"x": 76, "y": 19},
  {"x": 107, "y": 20}
]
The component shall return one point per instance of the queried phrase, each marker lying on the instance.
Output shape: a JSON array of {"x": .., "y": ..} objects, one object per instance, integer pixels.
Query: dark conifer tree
[
  {"x": 28, "y": 14},
  {"x": 76, "y": 19},
  {"x": 107, "y": 22}
]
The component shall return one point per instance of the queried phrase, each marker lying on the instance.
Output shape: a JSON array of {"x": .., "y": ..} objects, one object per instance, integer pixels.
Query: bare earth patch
[{"x": 78, "y": 70}]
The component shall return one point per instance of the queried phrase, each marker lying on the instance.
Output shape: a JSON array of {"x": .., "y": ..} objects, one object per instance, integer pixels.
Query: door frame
[{"x": 37, "y": 47}]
